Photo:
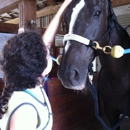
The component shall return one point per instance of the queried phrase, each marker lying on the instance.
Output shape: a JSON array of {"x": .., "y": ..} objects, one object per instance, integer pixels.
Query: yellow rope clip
[{"x": 104, "y": 49}]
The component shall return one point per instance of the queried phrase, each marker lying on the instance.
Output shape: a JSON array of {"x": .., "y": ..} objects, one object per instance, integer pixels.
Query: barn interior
[{"x": 72, "y": 110}]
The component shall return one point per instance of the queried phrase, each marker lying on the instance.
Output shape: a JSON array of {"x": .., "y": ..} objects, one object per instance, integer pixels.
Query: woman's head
[{"x": 24, "y": 58}]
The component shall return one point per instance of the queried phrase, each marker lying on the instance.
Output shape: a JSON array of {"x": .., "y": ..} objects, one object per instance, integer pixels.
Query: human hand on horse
[
  {"x": 49, "y": 35},
  {"x": 67, "y": 2}
]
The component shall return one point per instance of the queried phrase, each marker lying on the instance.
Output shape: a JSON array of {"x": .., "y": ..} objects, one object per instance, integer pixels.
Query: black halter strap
[
  {"x": 110, "y": 21},
  {"x": 127, "y": 27}
]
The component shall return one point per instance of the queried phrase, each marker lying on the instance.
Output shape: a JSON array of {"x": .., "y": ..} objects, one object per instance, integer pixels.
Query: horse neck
[{"x": 117, "y": 36}]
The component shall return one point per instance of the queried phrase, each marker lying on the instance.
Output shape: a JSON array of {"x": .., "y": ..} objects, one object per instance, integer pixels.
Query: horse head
[{"x": 87, "y": 18}]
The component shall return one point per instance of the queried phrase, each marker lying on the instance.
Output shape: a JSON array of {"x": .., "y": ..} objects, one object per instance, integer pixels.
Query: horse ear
[
  {"x": 113, "y": 19},
  {"x": 111, "y": 11}
]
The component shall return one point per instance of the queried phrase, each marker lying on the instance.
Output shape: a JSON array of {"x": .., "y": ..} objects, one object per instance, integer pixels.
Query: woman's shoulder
[
  {"x": 25, "y": 117},
  {"x": 18, "y": 98},
  {"x": 19, "y": 108}
]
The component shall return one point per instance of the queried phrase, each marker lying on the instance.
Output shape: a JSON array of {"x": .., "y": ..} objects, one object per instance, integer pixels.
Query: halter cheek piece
[
  {"x": 116, "y": 51},
  {"x": 85, "y": 41}
]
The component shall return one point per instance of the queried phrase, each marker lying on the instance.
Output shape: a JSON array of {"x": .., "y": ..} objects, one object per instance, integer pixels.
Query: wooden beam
[
  {"x": 13, "y": 21},
  {"x": 44, "y": 12},
  {"x": 7, "y": 5},
  {"x": 50, "y": 2},
  {"x": 8, "y": 28},
  {"x": 27, "y": 12},
  {"x": 53, "y": 9},
  {"x": 116, "y": 3}
]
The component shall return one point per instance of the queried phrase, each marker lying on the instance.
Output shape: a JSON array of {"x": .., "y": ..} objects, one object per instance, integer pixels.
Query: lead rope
[
  {"x": 95, "y": 97},
  {"x": 45, "y": 86}
]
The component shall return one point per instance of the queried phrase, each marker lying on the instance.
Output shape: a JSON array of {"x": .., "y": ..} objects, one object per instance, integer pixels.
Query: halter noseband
[
  {"x": 87, "y": 42},
  {"x": 116, "y": 51},
  {"x": 78, "y": 38}
]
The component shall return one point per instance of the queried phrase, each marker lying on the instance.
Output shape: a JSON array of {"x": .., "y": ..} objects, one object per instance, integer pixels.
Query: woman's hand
[
  {"x": 49, "y": 35},
  {"x": 67, "y": 2}
]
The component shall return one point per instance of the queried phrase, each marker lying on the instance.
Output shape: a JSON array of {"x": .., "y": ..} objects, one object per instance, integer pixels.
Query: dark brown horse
[{"x": 96, "y": 21}]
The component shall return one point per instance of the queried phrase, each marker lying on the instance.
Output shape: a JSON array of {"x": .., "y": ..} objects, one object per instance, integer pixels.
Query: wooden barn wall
[
  {"x": 124, "y": 20},
  {"x": 43, "y": 22}
]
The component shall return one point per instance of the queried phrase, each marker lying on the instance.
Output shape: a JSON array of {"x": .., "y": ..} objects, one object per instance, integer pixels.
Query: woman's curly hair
[{"x": 23, "y": 60}]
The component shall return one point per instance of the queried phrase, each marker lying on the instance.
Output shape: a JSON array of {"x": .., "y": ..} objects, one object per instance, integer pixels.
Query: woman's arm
[{"x": 49, "y": 34}]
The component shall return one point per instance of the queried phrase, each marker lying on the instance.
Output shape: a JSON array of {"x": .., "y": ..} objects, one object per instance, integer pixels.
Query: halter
[
  {"x": 87, "y": 42},
  {"x": 116, "y": 51}
]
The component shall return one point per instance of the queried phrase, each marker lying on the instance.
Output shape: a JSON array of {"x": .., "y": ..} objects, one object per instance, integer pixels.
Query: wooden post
[
  {"x": 116, "y": 3},
  {"x": 27, "y": 13}
]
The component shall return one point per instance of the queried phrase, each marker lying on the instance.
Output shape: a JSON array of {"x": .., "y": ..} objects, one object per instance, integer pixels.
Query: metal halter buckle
[{"x": 104, "y": 49}]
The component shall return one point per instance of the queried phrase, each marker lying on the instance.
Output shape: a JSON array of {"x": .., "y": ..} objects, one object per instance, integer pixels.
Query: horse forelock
[
  {"x": 75, "y": 11},
  {"x": 74, "y": 15}
]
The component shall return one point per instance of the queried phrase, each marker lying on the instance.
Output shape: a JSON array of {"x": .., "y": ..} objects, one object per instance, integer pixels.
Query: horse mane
[{"x": 113, "y": 20}]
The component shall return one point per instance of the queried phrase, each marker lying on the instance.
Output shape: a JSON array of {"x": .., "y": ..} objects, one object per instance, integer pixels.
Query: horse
[{"x": 94, "y": 21}]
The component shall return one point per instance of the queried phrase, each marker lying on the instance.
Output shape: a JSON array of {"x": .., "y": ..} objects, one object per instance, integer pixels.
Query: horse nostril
[{"x": 74, "y": 75}]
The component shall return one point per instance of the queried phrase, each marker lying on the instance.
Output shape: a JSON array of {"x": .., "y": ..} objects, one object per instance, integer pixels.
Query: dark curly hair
[{"x": 23, "y": 60}]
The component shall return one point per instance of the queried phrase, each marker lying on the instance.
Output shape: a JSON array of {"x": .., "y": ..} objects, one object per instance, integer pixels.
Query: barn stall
[{"x": 72, "y": 110}]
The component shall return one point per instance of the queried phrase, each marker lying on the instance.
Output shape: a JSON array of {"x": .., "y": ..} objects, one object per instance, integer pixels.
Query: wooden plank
[
  {"x": 47, "y": 11},
  {"x": 13, "y": 28},
  {"x": 53, "y": 9},
  {"x": 44, "y": 12},
  {"x": 7, "y": 5},
  {"x": 13, "y": 21},
  {"x": 8, "y": 28},
  {"x": 116, "y": 3}
]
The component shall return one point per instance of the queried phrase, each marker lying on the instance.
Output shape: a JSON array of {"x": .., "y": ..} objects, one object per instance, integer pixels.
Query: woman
[{"x": 25, "y": 62}]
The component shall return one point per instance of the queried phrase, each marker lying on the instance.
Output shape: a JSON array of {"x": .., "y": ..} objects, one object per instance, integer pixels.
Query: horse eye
[{"x": 97, "y": 14}]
